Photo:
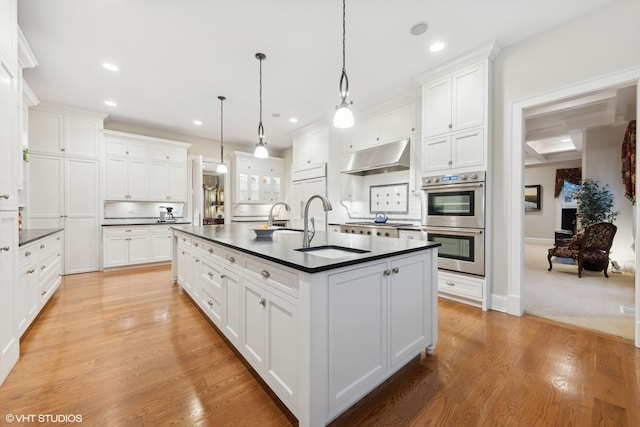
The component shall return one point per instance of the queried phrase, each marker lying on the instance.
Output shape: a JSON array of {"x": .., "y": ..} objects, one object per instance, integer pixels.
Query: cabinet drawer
[
  {"x": 232, "y": 258},
  {"x": 460, "y": 286},
  {"x": 275, "y": 277},
  {"x": 213, "y": 276},
  {"x": 212, "y": 304},
  {"x": 160, "y": 229},
  {"x": 126, "y": 231},
  {"x": 213, "y": 250},
  {"x": 50, "y": 262},
  {"x": 184, "y": 240}
]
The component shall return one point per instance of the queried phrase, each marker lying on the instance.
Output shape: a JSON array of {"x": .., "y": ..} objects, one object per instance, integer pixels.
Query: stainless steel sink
[
  {"x": 332, "y": 251},
  {"x": 288, "y": 230}
]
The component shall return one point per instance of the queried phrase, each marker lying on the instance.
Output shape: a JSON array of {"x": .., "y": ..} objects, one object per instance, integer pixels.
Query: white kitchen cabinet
[
  {"x": 270, "y": 338},
  {"x": 54, "y": 132},
  {"x": 9, "y": 132},
  {"x": 459, "y": 150},
  {"x": 126, "y": 246},
  {"x": 233, "y": 308},
  {"x": 122, "y": 147},
  {"x": 257, "y": 180},
  {"x": 311, "y": 148},
  {"x": 160, "y": 239},
  {"x": 168, "y": 181},
  {"x": 9, "y": 341},
  {"x": 27, "y": 292},
  {"x": 300, "y": 193},
  {"x": 9, "y": 31},
  {"x": 126, "y": 179},
  {"x": 63, "y": 193},
  {"x": 412, "y": 234},
  {"x": 167, "y": 153},
  {"x": 389, "y": 126},
  {"x": 465, "y": 289},
  {"x": 455, "y": 102},
  {"x": 213, "y": 287}
]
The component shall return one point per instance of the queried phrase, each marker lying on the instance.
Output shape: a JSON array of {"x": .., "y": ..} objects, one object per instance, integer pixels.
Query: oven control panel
[{"x": 478, "y": 176}]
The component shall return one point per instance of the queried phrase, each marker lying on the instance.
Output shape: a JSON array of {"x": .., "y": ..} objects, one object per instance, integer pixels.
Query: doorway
[{"x": 515, "y": 239}]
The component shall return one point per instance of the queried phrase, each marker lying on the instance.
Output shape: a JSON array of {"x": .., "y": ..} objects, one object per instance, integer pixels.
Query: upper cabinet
[
  {"x": 144, "y": 169},
  {"x": 257, "y": 180},
  {"x": 310, "y": 149},
  {"x": 455, "y": 102},
  {"x": 389, "y": 126},
  {"x": 53, "y": 132},
  {"x": 455, "y": 114},
  {"x": 9, "y": 31}
]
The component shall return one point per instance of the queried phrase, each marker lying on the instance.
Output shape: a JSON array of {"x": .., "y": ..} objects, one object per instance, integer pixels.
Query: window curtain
[
  {"x": 573, "y": 175},
  {"x": 629, "y": 162}
]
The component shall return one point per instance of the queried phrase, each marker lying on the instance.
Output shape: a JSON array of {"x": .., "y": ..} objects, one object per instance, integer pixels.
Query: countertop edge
[{"x": 36, "y": 234}]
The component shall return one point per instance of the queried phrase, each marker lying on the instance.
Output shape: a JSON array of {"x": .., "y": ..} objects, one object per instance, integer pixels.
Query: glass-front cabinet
[{"x": 258, "y": 180}]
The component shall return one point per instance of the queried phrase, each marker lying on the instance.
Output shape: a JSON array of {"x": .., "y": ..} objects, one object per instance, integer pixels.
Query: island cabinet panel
[
  {"x": 357, "y": 332},
  {"x": 232, "y": 304}
]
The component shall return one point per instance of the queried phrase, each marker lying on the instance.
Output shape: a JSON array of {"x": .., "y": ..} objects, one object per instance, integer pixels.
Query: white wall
[
  {"x": 602, "y": 162},
  {"x": 542, "y": 224},
  {"x": 594, "y": 45}
]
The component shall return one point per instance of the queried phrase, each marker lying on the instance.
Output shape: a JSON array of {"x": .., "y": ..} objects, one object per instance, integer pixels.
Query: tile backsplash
[{"x": 125, "y": 209}]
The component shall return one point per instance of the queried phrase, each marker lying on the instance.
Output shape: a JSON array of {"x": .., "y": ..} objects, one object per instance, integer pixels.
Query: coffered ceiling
[{"x": 176, "y": 57}]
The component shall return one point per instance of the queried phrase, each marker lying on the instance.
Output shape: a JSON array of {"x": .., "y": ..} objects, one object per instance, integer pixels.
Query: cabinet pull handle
[
  {"x": 27, "y": 253},
  {"x": 197, "y": 260},
  {"x": 42, "y": 246},
  {"x": 450, "y": 162},
  {"x": 5, "y": 248},
  {"x": 387, "y": 272},
  {"x": 210, "y": 303},
  {"x": 263, "y": 302},
  {"x": 43, "y": 293},
  {"x": 265, "y": 274},
  {"x": 409, "y": 237},
  {"x": 450, "y": 283},
  {"x": 210, "y": 251},
  {"x": 210, "y": 274},
  {"x": 222, "y": 276},
  {"x": 395, "y": 270},
  {"x": 128, "y": 230},
  {"x": 57, "y": 238},
  {"x": 450, "y": 125},
  {"x": 195, "y": 244},
  {"x": 42, "y": 267},
  {"x": 4, "y": 196},
  {"x": 31, "y": 271},
  {"x": 232, "y": 259},
  {"x": 62, "y": 149}
]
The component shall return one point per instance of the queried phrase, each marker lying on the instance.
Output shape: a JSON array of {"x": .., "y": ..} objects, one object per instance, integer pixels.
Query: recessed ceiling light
[
  {"x": 293, "y": 120},
  {"x": 111, "y": 103},
  {"x": 197, "y": 122},
  {"x": 436, "y": 47},
  {"x": 110, "y": 67},
  {"x": 419, "y": 28}
]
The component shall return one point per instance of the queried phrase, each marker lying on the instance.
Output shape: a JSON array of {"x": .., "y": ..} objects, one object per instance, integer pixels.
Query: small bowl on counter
[{"x": 264, "y": 231}]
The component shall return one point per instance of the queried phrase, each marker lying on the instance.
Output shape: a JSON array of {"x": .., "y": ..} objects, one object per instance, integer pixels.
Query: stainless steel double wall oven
[{"x": 453, "y": 214}]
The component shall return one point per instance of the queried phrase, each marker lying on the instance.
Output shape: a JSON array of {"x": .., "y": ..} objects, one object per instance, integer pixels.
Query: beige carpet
[{"x": 591, "y": 302}]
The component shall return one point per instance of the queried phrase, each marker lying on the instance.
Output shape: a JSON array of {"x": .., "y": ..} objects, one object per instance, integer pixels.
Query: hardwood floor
[{"x": 130, "y": 349}]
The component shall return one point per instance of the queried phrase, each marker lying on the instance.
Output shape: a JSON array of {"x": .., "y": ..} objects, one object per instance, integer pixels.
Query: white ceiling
[{"x": 176, "y": 57}]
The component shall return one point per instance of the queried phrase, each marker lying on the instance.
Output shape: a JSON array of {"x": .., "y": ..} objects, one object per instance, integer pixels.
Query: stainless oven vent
[{"x": 390, "y": 157}]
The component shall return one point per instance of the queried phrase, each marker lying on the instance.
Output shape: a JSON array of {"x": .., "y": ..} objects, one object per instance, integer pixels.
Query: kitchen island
[{"x": 322, "y": 327}]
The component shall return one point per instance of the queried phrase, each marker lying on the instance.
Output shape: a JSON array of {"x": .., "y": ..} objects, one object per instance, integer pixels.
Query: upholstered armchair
[{"x": 589, "y": 247}]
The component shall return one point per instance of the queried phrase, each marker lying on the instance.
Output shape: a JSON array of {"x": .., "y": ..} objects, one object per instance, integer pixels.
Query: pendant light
[
  {"x": 261, "y": 146},
  {"x": 343, "y": 117},
  {"x": 222, "y": 168}
]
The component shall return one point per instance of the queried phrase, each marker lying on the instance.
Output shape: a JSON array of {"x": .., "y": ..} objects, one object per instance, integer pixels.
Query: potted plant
[{"x": 595, "y": 204}]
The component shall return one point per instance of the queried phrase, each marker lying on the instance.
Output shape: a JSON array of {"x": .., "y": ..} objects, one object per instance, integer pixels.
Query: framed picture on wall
[{"x": 532, "y": 198}]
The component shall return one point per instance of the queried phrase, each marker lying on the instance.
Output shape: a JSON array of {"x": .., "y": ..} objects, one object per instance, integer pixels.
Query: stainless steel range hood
[{"x": 390, "y": 157}]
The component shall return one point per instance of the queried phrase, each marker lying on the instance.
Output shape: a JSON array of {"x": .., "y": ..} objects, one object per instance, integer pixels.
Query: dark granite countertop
[
  {"x": 30, "y": 235},
  {"x": 281, "y": 247},
  {"x": 140, "y": 221}
]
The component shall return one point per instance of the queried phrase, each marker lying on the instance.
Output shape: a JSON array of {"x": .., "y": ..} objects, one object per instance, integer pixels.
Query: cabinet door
[
  {"x": 468, "y": 148},
  {"x": 9, "y": 31},
  {"x": 436, "y": 107},
  {"x": 115, "y": 185},
  {"x": 365, "y": 134},
  {"x": 137, "y": 179},
  {"x": 408, "y": 302},
  {"x": 116, "y": 251},
  {"x": 160, "y": 247},
  {"x": 45, "y": 132},
  {"x": 9, "y": 342},
  {"x": 395, "y": 124},
  {"x": 469, "y": 98},
  {"x": 177, "y": 189},
  {"x": 82, "y": 216},
  {"x": 81, "y": 136},
  {"x": 357, "y": 331},
  {"x": 158, "y": 181},
  {"x": 233, "y": 298},
  {"x": 138, "y": 249},
  {"x": 436, "y": 154},
  {"x": 25, "y": 307},
  {"x": 301, "y": 152},
  {"x": 318, "y": 151},
  {"x": 9, "y": 136},
  {"x": 46, "y": 191},
  {"x": 253, "y": 336}
]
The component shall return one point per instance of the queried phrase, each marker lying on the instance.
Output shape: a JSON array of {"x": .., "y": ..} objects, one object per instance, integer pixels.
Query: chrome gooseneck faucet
[
  {"x": 270, "y": 217},
  {"x": 306, "y": 242}
]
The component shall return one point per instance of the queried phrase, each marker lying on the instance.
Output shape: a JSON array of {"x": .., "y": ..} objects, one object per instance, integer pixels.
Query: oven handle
[
  {"x": 454, "y": 230},
  {"x": 447, "y": 186}
]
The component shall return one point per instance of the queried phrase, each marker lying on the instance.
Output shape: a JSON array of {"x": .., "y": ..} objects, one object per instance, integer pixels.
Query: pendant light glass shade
[
  {"x": 261, "y": 147},
  {"x": 222, "y": 168},
  {"x": 343, "y": 117}
]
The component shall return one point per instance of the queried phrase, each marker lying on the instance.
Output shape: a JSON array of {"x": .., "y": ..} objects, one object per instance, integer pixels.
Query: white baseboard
[{"x": 498, "y": 303}]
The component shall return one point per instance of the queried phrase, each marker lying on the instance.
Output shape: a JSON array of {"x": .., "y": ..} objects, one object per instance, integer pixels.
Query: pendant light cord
[
  {"x": 344, "y": 33},
  {"x": 221, "y": 129},
  {"x": 260, "y": 126}
]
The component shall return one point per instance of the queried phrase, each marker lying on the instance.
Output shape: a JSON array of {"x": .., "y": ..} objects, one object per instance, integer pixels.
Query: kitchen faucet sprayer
[
  {"x": 306, "y": 242},
  {"x": 270, "y": 217}
]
